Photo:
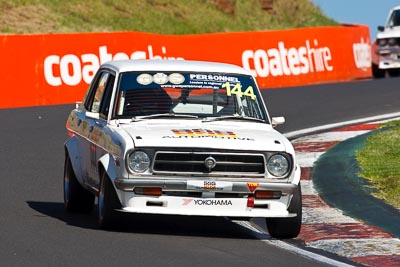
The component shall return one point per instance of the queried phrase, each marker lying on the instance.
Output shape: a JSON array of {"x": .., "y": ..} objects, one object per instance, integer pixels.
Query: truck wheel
[
  {"x": 76, "y": 198},
  {"x": 287, "y": 227},
  {"x": 108, "y": 204},
  {"x": 376, "y": 72}
]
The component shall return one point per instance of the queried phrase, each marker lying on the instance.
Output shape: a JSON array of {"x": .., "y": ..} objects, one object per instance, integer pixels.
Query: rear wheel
[
  {"x": 76, "y": 198},
  {"x": 108, "y": 204},
  {"x": 287, "y": 227}
]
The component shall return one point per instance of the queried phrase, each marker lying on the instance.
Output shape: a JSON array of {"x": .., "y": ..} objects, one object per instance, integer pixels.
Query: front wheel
[
  {"x": 76, "y": 198},
  {"x": 287, "y": 227},
  {"x": 108, "y": 204},
  {"x": 377, "y": 73},
  {"x": 394, "y": 72}
]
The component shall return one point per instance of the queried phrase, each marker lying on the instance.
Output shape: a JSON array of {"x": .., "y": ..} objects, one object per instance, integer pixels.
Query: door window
[{"x": 99, "y": 97}]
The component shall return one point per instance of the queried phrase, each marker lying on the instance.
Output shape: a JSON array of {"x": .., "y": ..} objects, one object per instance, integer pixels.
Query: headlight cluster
[
  {"x": 278, "y": 165},
  {"x": 138, "y": 161},
  {"x": 387, "y": 41}
]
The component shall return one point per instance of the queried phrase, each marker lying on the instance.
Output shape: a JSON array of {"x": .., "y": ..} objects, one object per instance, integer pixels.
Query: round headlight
[
  {"x": 392, "y": 42},
  {"x": 139, "y": 161},
  {"x": 278, "y": 165},
  {"x": 382, "y": 42}
]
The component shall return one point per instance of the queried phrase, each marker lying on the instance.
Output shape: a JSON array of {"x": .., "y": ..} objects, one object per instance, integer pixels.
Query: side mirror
[
  {"x": 92, "y": 115},
  {"x": 277, "y": 121},
  {"x": 381, "y": 28}
]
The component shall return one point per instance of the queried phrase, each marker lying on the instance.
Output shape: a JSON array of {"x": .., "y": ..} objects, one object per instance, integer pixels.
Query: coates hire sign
[{"x": 57, "y": 68}]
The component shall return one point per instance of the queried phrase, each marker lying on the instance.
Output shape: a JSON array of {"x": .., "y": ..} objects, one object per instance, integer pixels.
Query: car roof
[
  {"x": 173, "y": 65},
  {"x": 396, "y": 8}
]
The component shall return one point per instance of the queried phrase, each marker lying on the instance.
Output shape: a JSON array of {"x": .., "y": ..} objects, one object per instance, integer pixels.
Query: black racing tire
[
  {"x": 287, "y": 227},
  {"x": 377, "y": 73},
  {"x": 394, "y": 72},
  {"x": 108, "y": 217},
  {"x": 76, "y": 198}
]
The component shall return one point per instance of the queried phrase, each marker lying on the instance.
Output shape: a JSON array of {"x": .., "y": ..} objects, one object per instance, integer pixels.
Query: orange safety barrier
[{"x": 53, "y": 69}]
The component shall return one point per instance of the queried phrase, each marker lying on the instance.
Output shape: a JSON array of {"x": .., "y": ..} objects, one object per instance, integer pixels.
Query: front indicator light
[
  {"x": 152, "y": 191},
  {"x": 264, "y": 194}
]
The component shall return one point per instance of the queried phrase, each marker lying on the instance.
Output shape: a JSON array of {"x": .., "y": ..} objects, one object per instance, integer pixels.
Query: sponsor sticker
[
  {"x": 207, "y": 202},
  {"x": 205, "y": 133},
  {"x": 209, "y": 185},
  {"x": 160, "y": 78},
  {"x": 176, "y": 78},
  {"x": 236, "y": 89},
  {"x": 252, "y": 186},
  {"x": 213, "y": 78},
  {"x": 144, "y": 79}
]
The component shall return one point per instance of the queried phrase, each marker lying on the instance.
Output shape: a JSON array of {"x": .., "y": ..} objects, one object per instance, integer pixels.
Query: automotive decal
[
  {"x": 187, "y": 201},
  {"x": 176, "y": 78},
  {"x": 144, "y": 79},
  {"x": 160, "y": 78},
  {"x": 213, "y": 78},
  {"x": 237, "y": 90},
  {"x": 209, "y": 185},
  {"x": 207, "y": 202},
  {"x": 252, "y": 186},
  {"x": 205, "y": 133}
]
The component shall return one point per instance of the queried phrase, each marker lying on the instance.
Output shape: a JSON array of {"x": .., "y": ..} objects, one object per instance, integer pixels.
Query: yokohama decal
[{"x": 207, "y": 202}]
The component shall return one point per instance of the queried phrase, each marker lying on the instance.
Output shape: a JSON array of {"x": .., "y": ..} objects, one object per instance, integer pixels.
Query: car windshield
[
  {"x": 394, "y": 19},
  {"x": 202, "y": 95}
]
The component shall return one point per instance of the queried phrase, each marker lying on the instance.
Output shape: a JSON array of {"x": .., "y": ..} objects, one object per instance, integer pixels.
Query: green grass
[
  {"x": 156, "y": 16},
  {"x": 379, "y": 161}
]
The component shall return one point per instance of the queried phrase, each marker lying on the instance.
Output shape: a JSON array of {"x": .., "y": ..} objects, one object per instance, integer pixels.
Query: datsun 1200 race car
[
  {"x": 386, "y": 48},
  {"x": 180, "y": 138}
]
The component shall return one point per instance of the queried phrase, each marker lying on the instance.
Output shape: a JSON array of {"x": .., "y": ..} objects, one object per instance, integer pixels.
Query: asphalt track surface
[{"x": 36, "y": 231}]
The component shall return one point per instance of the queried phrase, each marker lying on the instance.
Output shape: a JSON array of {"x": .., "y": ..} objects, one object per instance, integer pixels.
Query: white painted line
[
  {"x": 329, "y": 136},
  {"x": 325, "y": 215},
  {"x": 292, "y": 248},
  {"x": 307, "y": 254},
  {"x": 307, "y": 188},
  {"x": 307, "y": 159},
  {"x": 302, "y": 132},
  {"x": 359, "y": 247}
]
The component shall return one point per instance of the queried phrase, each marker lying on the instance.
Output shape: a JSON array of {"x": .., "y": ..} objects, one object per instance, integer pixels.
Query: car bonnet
[{"x": 249, "y": 136}]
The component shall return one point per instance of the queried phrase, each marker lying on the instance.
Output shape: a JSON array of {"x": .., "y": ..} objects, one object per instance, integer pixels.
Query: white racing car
[
  {"x": 386, "y": 48},
  {"x": 181, "y": 138}
]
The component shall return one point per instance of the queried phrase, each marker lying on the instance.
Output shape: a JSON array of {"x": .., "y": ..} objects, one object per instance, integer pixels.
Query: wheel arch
[
  {"x": 107, "y": 164},
  {"x": 71, "y": 150}
]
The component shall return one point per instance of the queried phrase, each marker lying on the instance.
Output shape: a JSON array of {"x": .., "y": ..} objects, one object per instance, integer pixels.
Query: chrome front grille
[{"x": 194, "y": 163}]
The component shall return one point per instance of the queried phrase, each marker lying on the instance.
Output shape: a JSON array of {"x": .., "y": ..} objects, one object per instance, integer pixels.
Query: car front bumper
[
  {"x": 389, "y": 58},
  {"x": 215, "y": 201}
]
